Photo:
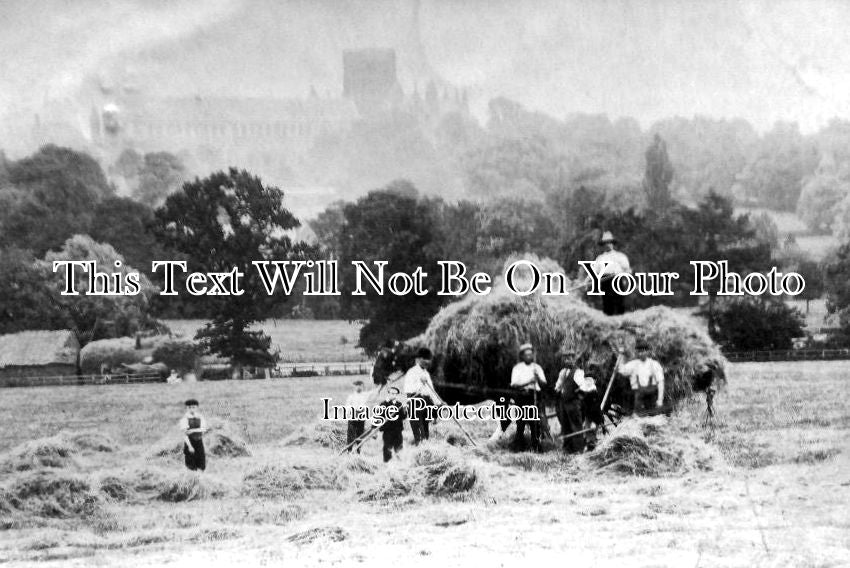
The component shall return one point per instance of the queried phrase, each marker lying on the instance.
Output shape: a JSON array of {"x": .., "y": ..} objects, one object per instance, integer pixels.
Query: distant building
[{"x": 39, "y": 353}]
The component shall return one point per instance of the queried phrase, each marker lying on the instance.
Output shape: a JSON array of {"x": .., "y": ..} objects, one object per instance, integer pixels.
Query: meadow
[
  {"x": 299, "y": 341},
  {"x": 768, "y": 485}
]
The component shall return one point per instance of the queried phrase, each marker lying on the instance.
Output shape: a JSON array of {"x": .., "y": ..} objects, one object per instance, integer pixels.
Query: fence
[
  {"x": 118, "y": 379},
  {"x": 323, "y": 369},
  {"x": 789, "y": 355}
]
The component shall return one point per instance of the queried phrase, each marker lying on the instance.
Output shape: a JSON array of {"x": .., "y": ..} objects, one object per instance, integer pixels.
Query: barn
[{"x": 38, "y": 354}]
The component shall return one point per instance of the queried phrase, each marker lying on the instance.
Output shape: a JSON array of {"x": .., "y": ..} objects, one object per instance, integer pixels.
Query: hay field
[{"x": 769, "y": 487}]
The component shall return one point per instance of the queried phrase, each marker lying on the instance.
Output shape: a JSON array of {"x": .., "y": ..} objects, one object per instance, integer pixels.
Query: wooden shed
[{"x": 39, "y": 353}]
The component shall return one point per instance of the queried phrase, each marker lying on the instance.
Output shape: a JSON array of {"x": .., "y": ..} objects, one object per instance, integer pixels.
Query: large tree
[
  {"x": 57, "y": 190},
  {"x": 393, "y": 225},
  {"x": 837, "y": 284},
  {"x": 226, "y": 221},
  {"x": 97, "y": 316}
]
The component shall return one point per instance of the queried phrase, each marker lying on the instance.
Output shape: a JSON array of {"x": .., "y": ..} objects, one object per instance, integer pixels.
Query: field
[
  {"x": 770, "y": 486},
  {"x": 299, "y": 340}
]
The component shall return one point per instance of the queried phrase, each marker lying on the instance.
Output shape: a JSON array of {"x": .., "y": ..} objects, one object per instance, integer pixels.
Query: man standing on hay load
[
  {"x": 194, "y": 426},
  {"x": 527, "y": 376},
  {"x": 418, "y": 386},
  {"x": 608, "y": 265},
  {"x": 646, "y": 377}
]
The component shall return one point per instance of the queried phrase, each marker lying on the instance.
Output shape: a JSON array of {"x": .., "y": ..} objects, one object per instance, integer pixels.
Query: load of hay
[
  {"x": 321, "y": 433},
  {"x": 476, "y": 338}
]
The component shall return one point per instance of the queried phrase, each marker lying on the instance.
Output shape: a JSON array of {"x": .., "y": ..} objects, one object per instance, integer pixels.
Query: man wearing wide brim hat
[{"x": 608, "y": 264}]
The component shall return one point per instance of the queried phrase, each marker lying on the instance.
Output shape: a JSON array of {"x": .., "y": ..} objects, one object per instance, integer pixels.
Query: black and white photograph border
[{"x": 424, "y": 283}]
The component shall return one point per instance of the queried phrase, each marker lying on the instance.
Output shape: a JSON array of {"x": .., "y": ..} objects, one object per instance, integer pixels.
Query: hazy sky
[{"x": 762, "y": 61}]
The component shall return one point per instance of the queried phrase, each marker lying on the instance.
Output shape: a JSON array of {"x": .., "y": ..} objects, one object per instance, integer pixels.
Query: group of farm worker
[{"x": 579, "y": 402}]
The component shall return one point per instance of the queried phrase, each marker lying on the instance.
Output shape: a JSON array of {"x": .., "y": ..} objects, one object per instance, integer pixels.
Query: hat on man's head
[
  {"x": 191, "y": 402},
  {"x": 642, "y": 345},
  {"x": 525, "y": 347},
  {"x": 423, "y": 353},
  {"x": 607, "y": 237},
  {"x": 357, "y": 383},
  {"x": 567, "y": 352},
  {"x": 393, "y": 390}
]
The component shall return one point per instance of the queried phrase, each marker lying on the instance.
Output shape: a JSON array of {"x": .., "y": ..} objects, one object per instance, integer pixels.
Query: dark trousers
[
  {"x": 523, "y": 399},
  {"x": 570, "y": 417},
  {"x": 393, "y": 443},
  {"x": 356, "y": 428},
  {"x": 645, "y": 398},
  {"x": 419, "y": 419},
  {"x": 613, "y": 304},
  {"x": 196, "y": 460}
]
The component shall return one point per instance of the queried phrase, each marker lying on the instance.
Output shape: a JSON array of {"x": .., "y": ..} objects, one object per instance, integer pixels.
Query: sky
[{"x": 761, "y": 61}]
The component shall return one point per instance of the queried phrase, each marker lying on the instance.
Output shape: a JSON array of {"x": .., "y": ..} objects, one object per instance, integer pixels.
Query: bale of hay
[
  {"x": 221, "y": 440},
  {"x": 53, "y": 495},
  {"x": 285, "y": 480},
  {"x": 188, "y": 486},
  {"x": 321, "y": 433},
  {"x": 476, "y": 338},
  {"x": 55, "y": 451}
]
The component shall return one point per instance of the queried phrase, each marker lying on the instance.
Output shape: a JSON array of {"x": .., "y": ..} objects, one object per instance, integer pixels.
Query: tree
[
  {"x": 777, "y": 168},
  {"x": 391, "y": 224},
  {"x": 26, "y": 302},
  {"x": 160, "y": 174},
  {"x": 58, "y": 191},
  {"x": 226, "y": 221},
  {"x": 328, "y": 227},
  {"x": 750, "y": 324},
  {"x": 101, "y": 316},
  {"x": 837, "y": 284},
  {"x": 819, "y": 200},
  {"x": 128, "y": 226},
  {"x": 658, "y": 175}
]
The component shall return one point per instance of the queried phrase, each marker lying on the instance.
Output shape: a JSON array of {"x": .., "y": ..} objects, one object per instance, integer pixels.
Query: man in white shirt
[
  {"x": 569, "y": 388},
  {"x": 418, "y": 386},
  {"x": 646, "y": 378},
  {"x": 608, "y": 264},
  {"x": 527, "y": 376}
]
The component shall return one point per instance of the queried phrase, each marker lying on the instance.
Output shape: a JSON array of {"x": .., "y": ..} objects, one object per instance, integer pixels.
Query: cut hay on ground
[
  {"x": 322, "y": 433},
  {"x": 221, "y": 440},
  {"x": 649, "y": 447},
  {"x": 286, "y": 480},
  {"x": 55, "y": 451},
  {"x": 476, "y": 339},
  {"x": 188, "y": 486},
  {"x": 53, "y": 495},
  {"x": 434, "y": 469}
]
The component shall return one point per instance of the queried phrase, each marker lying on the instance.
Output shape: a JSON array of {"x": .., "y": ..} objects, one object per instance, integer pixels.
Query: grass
[{"x": 776, "y": 497}]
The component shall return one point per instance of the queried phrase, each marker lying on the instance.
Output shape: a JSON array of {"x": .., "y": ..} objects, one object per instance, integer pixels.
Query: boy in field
[
  {"x": 193, "y": 426},
  {"x": 391, "y": 430},
  {"x": 356, "y": 399}
]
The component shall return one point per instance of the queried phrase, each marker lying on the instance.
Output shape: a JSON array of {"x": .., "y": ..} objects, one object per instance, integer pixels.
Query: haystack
[
  {"x": 477, "y": 338},
  {"x": 53, "y": 494},
  {"x": 285, "y": 480},
  {"x": 221, "y": 440}
]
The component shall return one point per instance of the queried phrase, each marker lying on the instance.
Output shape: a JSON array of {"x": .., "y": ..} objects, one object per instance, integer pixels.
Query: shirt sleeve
[
  {"x": 183, "y": 423},
  {"x": 624, "y": 261},
  {"x": 541, "y": 375},
  {"x": 578, "y": 377},
  {"x": 659, "y": 378},
  {"x": 559, "y": 383}
]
